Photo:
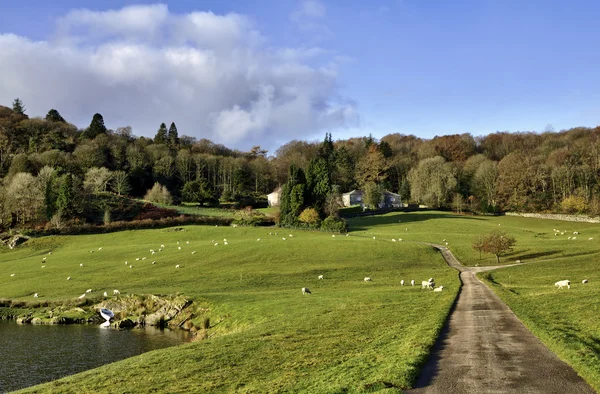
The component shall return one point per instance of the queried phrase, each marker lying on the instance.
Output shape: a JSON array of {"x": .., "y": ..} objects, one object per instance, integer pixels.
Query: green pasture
[{"x": 265, "y": 336}]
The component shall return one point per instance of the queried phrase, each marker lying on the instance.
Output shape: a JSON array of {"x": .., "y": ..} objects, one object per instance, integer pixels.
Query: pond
[{"x": 34, "y": 354}]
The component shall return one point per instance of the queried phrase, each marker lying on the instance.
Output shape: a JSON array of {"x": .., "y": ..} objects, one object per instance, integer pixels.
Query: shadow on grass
[
  {"x": 522, "y": 255},
  {"x": 356, "y": 224}
]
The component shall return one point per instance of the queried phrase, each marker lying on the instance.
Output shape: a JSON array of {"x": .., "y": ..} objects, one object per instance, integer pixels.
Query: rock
[
  {"x": 37, "y": 320},
  {"x": 126, "y": 323},
  {"x": 24, "y": 320}
]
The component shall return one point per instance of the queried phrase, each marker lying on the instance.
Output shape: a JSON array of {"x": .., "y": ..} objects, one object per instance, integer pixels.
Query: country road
[{"x": 486, "y": 349}]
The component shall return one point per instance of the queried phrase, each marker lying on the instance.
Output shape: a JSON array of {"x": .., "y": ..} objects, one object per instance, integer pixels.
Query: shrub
[
  {"x": 310, "y": 216},
  {"x": 574, "y": 204},
  {"x": 331, "y": 223},
  {"x": 159, "y": 194},
  {"x": 249, "y": 218}
]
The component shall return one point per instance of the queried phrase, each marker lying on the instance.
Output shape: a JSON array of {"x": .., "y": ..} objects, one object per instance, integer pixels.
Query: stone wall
[{"x": 569, "y": 218}]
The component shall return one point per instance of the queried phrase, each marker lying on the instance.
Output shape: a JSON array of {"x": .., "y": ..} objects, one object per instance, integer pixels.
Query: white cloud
[
  {"x": 310, "y": 9},
  {"x": 210, "y": 74}
]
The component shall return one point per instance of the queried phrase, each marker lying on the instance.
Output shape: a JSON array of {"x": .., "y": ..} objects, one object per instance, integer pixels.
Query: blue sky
[{"x": 349, "y": 67}]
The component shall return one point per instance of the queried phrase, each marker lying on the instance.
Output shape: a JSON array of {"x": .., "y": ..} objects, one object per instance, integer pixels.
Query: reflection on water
[{"x": 31, "y": 354}]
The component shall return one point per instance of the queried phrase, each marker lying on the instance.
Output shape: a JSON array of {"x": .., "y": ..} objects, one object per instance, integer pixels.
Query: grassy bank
[{"x": 264, "y": 335}]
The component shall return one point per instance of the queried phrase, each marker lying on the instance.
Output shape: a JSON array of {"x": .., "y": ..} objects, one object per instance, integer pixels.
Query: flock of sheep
[{"x": 426, "y": 284}]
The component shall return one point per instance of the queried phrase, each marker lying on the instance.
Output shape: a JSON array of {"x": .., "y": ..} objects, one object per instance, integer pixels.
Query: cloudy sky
[{"x": 264, "y": 72}]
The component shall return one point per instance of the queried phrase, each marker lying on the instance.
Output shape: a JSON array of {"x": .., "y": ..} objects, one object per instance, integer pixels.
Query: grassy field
[
  {"x": 348, "y": 336},
  {"x": 201, "y": 211}
]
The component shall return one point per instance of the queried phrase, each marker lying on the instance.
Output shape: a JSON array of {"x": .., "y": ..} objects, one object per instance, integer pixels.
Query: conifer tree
[
  {"x": 173, "y": 137},
  {"x": 96, "y": 127},
  {"x": 161, "y": 134},
  {"x": 54, "y": 116},
  {"x": 18, "y": 106}
]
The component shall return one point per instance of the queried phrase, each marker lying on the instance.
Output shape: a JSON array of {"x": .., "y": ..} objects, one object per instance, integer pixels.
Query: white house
[
  {"x": 356, "y": 197},
  {"x": 273, "y": 198}
]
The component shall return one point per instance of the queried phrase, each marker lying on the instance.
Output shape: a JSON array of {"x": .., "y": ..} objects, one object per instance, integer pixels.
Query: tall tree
[
  {"x": 66, "y": 194},
  {"x": 318, "y": 183},
  {"x": 161, "y": 134},
  {"x": 432, "y": 181},
  {"x": 173, "y": 136},
  {"x": 18, "y": 106},
  {"x": 96, "y": 127},
  {"x": 54, "y": 116},
  {"x": 293, "y": 194},
  {"x": 497, "y": 243}
]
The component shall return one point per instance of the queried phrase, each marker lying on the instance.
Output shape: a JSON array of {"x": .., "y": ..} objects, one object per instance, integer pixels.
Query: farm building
[
  {"x": 273, "y": 198},
  {"x": 356, "y": 197}
]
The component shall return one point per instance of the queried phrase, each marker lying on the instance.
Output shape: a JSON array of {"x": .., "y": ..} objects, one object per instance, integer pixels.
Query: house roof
[
  {"x": 355, "y": 191},
  {"x": 278, "y": 190}
]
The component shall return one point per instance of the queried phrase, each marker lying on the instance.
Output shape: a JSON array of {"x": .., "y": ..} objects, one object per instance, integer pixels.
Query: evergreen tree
[
  {"x": 318, "y": 183},
  {"x": 96, "y": 127},
  {"x": 18, "y": 106},
  {"x": 161, "y": 134},
  {"x": 54, "y": 116},
  {"x": 326, "y": 149},
  {"x": 64, "y": 201},
  {"x": 292, "y": 196},
  {"x": 173, "y": 137}
]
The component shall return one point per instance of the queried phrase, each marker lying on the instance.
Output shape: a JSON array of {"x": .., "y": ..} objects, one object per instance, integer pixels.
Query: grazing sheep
[
  {"x": 162, "y": 246},
  {"x": 305, "y": 290},
  {"x": 257, "y": 239},
  {"x": 216, "y": 244},
  {"x": 393, "y": 239},
  {"x": 518, "y": 261},
  {"x": 69, "y": 278},
  {"x": 91, "y": 251},
  {"x": 225, "y": 243},
  {"x": 194, "y": 252},
  {"x": 12, "y": 274},
  {"x": 562, "y": 283},
  {"x": 428, "y": 284},
  {"x": 154, "y": 262},
  {"x": 438, "y": 289},
  {"x": 35, "y": 295},
  {"x": 347, "y": 235},
  {"x": 590, "y": 238},
  {"x": 574, "y": 238},
  {"x": 291, "y": 236},
  {"x": 373, "y": 237},
  {"x": 43, "y": 266},
  {"x": 367, "y": 279},
  {"x": 177, "y": 266},
  {"x": 399, "y": 239},
  {"x": 100, "y": 248},
  {"x": 402, "y": 282},
  {"x": 126, "y": 263},
  {"x": 412, "y": 282},
  {"x": 105, "y": 294},
  {"x": 584, "y": 281},
  {"x": 88, "y": 291},
  {"x": 49, "y": 252},
  {"x": 44, "y": 259},
  {"x": 81, "y": 297},
  {"x": 444, "y": 240},
  {"x": 138, "y": 259},
  {"x": 115, "y": 292},
  {"x": 575, "y": 232},
  {"x": 320, "y": 276},
  {"x": 568, "y": 237},
  {"x": 283, "y": 238},
  {"x": 332, "y": 235},
  {"x": 224, "y": 240},
  {"x": 153, "y": 252},
  {"x": 179, "y": 247},
  {"x": 130, "y": 266},
  {"x": 187, "y": 242},
  {"x": 81, "y": 264}
]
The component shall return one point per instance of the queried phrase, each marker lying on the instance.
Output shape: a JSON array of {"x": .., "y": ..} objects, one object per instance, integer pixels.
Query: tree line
[{"x": 47, "y": 162}]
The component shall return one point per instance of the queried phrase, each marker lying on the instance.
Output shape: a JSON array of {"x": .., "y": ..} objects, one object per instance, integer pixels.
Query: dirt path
[{"x": 486, "y": 349}]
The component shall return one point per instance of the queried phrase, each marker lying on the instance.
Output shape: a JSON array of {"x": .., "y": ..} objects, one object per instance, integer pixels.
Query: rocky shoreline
[{"x": 131, "y": 310}]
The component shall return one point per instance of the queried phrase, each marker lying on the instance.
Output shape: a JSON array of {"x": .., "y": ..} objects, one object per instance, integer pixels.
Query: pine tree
[
  {"x": 161, "y": 134},
  {"x": 318, "y": 183},
  {"x": 18, "y": 106},
  {"x": 54, "y": 116},
  {"x": 293, "y": 196},
  {"x": 64, "y": 201},
  {"x": 173, "y": 136},
  {"x": 96, "y": 127}
]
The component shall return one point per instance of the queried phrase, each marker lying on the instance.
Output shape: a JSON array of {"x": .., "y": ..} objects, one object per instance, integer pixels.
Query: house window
[{"x": 358, "y": 198}]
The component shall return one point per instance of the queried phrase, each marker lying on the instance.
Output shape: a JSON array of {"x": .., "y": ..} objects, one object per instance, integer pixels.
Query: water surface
[{"x": 33, "y": 354}]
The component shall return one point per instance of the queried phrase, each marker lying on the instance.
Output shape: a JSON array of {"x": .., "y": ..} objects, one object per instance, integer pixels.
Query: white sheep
[
  {"x": 81, "y": 264},
  {"x": 373, "y": 237},
  {"x": 428, "y": 284},
  {"x": 332, "y": 235},
  {"x": 562, "y": 283},
  {"x": 115, "y": 292},
  {"x": 438, "y": 289},
  {"x": 305, "y": 290},
  {"x": 35, "y": 295},
  {"x": 137, "y": 259},
  {"x": 367, "y": 279},
  {"x": 393, "y": 239},
  {"x": 69, "y": 278},
  {"x": 81, "y": 297},
  {"x": 291, "y": 236},
  {"x": 216, "y": 244},
  {"x": 257, "y": 239},
  {"x": 412, "y": 282},
  {"x": 100, "y": 248},
  {"x": 154, "y": 262},
  {"x": 88, "y": 291},
  {"x": 402, "y": 282},
  {"x": 177, "y": 266},
  {"x": 320, "y": 277},
  {"x": 105, "y": 294},
  {"x": 162, "y": 246},
  {"x": 225, "y": 243},
  {"x": 179, "y": 247},
  {"x": 590, "y": 238},
  {"x": 584, "y": 281},
  {"x": 44, "y": 259},
  {"x": 12, "y": 275},
  {"x": 194, "y": 252},
  {"x": 283, "y": 238},
  {"x": 575, "y": 232}
]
